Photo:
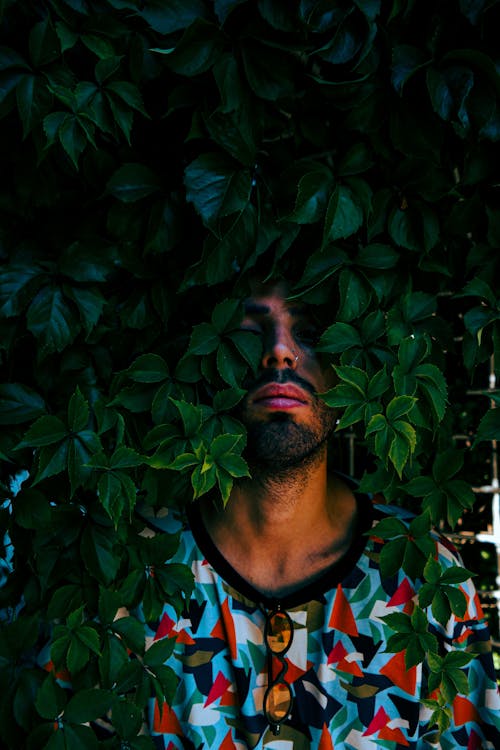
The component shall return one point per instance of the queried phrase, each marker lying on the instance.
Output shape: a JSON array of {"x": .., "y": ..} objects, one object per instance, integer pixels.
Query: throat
[
  {"x": 276, "y": 579},
  {"x": 284, "y": 541}
]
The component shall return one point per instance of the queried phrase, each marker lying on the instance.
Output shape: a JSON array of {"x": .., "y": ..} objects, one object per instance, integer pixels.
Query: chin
[{"x": 282, "y": 443}]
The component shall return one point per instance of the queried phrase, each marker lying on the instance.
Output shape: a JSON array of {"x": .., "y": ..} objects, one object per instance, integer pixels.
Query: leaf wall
[{"x": 153, "y": 156}]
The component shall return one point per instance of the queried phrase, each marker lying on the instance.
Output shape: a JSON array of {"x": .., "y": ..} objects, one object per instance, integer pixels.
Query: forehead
[{"x": 267, "y": 299}]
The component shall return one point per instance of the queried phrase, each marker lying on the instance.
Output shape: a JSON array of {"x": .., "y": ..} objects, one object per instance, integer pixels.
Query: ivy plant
[{"x": 154, "y": 156}]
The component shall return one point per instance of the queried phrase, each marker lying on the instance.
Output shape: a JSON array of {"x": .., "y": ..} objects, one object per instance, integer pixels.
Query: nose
[{"x": 279, "y": 350}]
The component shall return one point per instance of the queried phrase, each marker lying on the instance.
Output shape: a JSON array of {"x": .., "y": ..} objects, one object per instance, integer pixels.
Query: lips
[{"x": 276, "y": 396}]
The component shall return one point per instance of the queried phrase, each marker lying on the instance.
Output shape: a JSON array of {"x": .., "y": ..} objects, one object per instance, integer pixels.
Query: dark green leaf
[
  {"x": 269, "y": 71},
  {"x": 100, "y": 554},
  {"x": 127, "y": 720},
  {"x": 32, "y": 509},
  {"x": 133, "y": 182},
  {"x": 51, "y": 699},
  {"x": 198, "y": 49},
  {"x": 79, "y": 737},
  {"x": 489, "y": 426},
  {"x": 78, "y": 412},
  {"x": 88, "y": 705},
  {"x": 338, "y": 338},
  {"x": 212, "y": 185},
  {"x": 46, "y": 430},
  {"x": 344, "y": 215},
  {"x": 19, "y": 403},
  {"x": 51, "y": 320},
  {"x": 406, "y": 61},
  {"x": 167, "y": 16},
  {"x": 148, "y": 368},
  {"x": 43, "y": 43},
  {"x": 159, "y": 652},
  {"x": 312, "y": 197}
]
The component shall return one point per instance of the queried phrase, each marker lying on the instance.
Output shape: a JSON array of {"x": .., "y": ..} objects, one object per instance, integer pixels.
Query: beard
[
  {"x": 279, "y": 442},
  {"x": 282, "y": 444}
]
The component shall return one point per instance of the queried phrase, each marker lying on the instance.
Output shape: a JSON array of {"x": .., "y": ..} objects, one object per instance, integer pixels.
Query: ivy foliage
[{"x": 154, "y": 155}]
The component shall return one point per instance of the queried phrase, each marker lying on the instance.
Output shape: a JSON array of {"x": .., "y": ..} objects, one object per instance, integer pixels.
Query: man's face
[{"x": 285, "y": 419}]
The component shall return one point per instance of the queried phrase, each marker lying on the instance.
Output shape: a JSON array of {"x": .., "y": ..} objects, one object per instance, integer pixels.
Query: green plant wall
[{"x": 154, "y": 154}]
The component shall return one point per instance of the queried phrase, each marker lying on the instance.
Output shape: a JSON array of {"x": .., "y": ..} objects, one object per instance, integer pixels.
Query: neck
[
  {"x": 283, "y": 528},
  {"x": 274, "y": 494}
]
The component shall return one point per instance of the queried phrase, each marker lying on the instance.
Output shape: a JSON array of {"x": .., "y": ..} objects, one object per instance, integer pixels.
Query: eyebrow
[{"x": 255, "y": 308}]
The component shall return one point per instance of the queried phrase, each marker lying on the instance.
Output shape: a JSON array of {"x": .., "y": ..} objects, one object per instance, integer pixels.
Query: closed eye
[
  {"x": 251, "y": 329},
  {"x": 309, "y": 335}
]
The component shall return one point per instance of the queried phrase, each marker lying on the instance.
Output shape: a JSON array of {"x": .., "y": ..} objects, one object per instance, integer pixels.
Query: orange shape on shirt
[
  {"x": 350, "y": 667},
  {"x": 224, "y": 629},
  {"x": 167, "y": 722},
  {"x": 393, "y": 735},
  {"x": 227, "y": 742},
  {"x": 325, "y": 741},
  {"x": 61, "y": 674},
  {"x": 464, "y": 711},
  {"x": 396, "y": 671},
  {"x": 184, "y": 637},
  {"x": 342, "y": 618},
  {"x": 294, "y": 672},
  {"x": 229, "y": 699}
]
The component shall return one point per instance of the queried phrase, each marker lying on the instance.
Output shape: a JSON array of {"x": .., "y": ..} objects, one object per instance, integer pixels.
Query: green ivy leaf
[
  {"x": 312, "y": 196},
  {"x": 406, "y": 61},
  {"x": 133, "y": 182},
  {"x": 51, "y": 699},
  {"x": 117, "y": 493},
  {"x": 489, "y": 426},
  {"x": 268, "y": 70},
  {"x": 88, "y": 705},
  {"x": 197, "y": 50},
  {"x": 19, "y": 404},
  {"x": 78, "y": 412},
  {"x": 148, "y": 368},
  {"x": 344, "y": 215},
  {"x": 51, "y": 320},
  {"x": 339, "y": 337},
  {"x": 47, "y": 430},
  {"x": 169, "y": 16},
  {"x": 214, "y": 186}
]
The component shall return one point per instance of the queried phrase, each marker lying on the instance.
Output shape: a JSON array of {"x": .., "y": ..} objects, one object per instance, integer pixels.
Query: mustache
[{"x": 281, "y": 377}]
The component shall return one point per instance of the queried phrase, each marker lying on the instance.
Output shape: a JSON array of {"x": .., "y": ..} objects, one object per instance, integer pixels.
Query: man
[{"x": 282, "y": 645}]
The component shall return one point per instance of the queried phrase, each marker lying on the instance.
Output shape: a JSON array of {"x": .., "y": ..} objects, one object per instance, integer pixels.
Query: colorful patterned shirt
[{"x": 349, "y": 691}]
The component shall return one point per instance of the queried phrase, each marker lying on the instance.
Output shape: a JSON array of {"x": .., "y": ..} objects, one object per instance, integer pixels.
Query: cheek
[{"x": 327, "y": 376}]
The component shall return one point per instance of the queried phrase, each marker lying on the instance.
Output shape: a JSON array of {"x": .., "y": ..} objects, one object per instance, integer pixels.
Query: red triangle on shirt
[
  {"x": 337, "y": 653},
  {"x": 342, "y": 618},
  {"x": 218, "y": 689},
  {"x": 403, "y": 594},
  {"x": 165, "y": 627},
  {"x": 379, "y": 720},
  {"x": 224, "y": 629},
  {"x": 396, "y": 671}
]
